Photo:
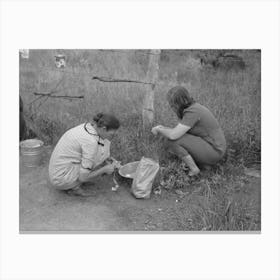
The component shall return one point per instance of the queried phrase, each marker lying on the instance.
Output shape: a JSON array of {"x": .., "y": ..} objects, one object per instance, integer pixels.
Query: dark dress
[{"x": 205, "y": 141}]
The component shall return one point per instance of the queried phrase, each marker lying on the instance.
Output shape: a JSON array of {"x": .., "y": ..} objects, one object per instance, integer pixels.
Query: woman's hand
[
  {"x": 117, "y": 164},
  {"x": 108, "y": 169},
  {"x": 113, "y": 161},
  {"x": 156, "y": 129}
]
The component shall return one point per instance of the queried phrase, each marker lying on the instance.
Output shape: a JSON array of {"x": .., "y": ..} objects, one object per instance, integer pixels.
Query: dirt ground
[{"x": 43, "y": 208}]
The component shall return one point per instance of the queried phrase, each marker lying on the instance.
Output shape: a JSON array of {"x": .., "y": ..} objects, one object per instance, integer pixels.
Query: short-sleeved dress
[
  {"x": 78, "y": 147},
  {"x": 204, "y": 141},
  {"x": 203, "y": 124}
]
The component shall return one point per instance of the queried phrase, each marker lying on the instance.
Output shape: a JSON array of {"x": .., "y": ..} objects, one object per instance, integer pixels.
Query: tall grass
[{"x": 233, "y": 96}]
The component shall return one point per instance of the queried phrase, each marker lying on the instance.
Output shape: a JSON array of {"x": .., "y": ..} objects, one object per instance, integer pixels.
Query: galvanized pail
[{"x": 32, "y": 152}]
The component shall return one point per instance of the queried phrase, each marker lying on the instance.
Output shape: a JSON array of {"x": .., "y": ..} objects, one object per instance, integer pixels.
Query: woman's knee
[{"x": 62, "y": 186}]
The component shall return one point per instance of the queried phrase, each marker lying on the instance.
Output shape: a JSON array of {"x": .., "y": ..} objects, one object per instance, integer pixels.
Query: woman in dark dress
[{"x": 198, "y": 138}]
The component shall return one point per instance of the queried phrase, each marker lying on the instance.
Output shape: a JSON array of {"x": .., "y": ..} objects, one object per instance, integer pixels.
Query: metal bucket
[{"x": 32, "y": 152}]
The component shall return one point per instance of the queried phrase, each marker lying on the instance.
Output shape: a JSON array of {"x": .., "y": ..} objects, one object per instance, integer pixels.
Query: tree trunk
[{"x": 152, "y": 76}]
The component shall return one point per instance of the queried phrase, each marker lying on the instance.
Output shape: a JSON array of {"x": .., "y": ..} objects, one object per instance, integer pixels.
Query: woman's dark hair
[
  {"x": 179, "y": 99},
  {"x": 106, "y": 120}
]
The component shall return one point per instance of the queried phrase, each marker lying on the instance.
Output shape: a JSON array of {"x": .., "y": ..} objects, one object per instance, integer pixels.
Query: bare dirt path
[{"x": 44, "y": 209}]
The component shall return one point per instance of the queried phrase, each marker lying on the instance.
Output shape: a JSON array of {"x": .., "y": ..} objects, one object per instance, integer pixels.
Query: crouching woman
[
  {"x": 198, "y": 138},
  {"x": 80, "y": 152}
]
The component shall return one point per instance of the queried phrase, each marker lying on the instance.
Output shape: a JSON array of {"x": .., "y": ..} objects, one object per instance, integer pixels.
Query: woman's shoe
[
  {"x": 206, "y": 167},
  {"x": 194, "y": 173}
]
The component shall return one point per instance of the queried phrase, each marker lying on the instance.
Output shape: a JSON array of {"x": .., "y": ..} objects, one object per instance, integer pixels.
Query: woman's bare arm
[
  {"x": 87, "y": 175},
  {"x": 172, "y": 133}
]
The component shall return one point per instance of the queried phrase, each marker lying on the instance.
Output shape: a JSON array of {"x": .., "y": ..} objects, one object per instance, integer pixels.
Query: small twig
[
  {"x": 111, "y": 80},
  {"x": 29, "y": 104},
  {"x": 57, "y": 96},
  {"x": 58, "y": 84},
  {"x": 53, "y": 91},
  {"x": 67, "y": 96},
  {"x": 45, "y": 93}
]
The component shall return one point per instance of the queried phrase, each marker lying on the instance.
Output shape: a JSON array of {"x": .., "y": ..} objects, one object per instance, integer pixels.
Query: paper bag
[{"x": 144, "y": 177}]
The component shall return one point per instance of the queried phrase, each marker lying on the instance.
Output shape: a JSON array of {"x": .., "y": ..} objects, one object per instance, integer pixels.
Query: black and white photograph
[{"x": 140, "y": 140}]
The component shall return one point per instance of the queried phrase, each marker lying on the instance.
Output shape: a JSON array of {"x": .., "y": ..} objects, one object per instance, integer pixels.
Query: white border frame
[{"x": 158, "y": 24}]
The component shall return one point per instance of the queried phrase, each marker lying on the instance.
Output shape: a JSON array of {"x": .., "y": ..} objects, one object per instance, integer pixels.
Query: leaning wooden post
[{"x": 152, "y": 76}]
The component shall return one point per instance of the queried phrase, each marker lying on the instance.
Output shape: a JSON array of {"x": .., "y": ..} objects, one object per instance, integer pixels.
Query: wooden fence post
[{"x": 152, "y": 76}]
